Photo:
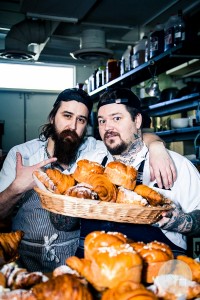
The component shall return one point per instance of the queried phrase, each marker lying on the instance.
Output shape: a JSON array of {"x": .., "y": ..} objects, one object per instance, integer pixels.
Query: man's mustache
[{"x": 110, "y": 134}]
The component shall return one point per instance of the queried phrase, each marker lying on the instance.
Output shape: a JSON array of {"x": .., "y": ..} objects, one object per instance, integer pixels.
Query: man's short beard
[
  {"x": 66, "y": 145},
  {"x": 117, "y": 150}
]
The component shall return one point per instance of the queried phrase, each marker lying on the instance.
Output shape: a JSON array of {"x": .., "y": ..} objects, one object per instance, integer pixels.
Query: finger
[
  {"x": 158, "y": 178},
  {"x": 152, "y": 177},
  {"x": 162, "y": 222},
  {"x": 46, "y": 162}
]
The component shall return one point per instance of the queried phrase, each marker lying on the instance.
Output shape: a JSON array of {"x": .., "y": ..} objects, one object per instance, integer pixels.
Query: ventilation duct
[
  {"x": 26, "y": 39},
  {"x": 92, "y": 46}
]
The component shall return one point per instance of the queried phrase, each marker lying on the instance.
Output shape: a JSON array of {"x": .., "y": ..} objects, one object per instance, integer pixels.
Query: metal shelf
[
  {"x": 181, "y": 134},
  {"x": 174, "y": 106},
  {"x": 163, "y": 62}
]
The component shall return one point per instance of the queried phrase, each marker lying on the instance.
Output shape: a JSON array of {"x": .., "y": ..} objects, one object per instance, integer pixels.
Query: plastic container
[
  {"x": 100, "y": 77},
  {"x": 179, "y": 29},
  {"x": 125, "y": 61},
  {"x": 169, "y": 32},
  {"x": 156, "y": 41},
  {"x": 139, "y": 52}
]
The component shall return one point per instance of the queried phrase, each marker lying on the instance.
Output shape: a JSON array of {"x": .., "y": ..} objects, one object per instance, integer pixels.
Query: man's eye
[
  {"x": 67, "y": 116},
  {"x": 82, "y": 121},
  {"x": 117, "y": 118},
  {"x": 101, "y": 122}
]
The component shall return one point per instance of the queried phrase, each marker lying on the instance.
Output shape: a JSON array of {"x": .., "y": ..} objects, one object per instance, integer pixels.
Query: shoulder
[{"x": 28, "y": 148}]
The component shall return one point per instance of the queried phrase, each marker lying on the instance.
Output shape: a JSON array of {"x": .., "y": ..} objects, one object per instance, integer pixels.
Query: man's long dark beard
[{"x": 66, "y": 146}]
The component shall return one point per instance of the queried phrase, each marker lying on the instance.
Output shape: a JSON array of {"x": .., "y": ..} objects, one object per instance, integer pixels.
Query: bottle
[
  {"x": 156, "y": 41},
  {"x": 112, "y": 69},
  {"x": 169, "y": 32},
  {"x": 125, "y": 60},
  {"x": 130, "y": 59},
  {"x": 179, "y": 29},
  {"x": 139, "y": 52},
  {"x": 100, "y": 77}
]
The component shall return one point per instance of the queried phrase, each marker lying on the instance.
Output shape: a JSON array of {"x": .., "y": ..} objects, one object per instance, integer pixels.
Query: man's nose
[
  {"x": 72, "y": 124},
  {"x": 108, "y": 125}
]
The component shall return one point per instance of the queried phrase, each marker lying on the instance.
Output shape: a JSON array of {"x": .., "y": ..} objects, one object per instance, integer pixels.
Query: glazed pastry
[
  {"x": 109, "y": 266},
  {"x": 85, "y": 168},
  {"x": 121, "y": 174},
  {"x": 2, "y": 280},
  {"x": 105, "y": 189},
  {"x": 130, "y": 197},
  {"x": 97, "y": 239},
  {"x": 153, "y": 197},
  {"x": 62, "y": 181},
  {"x": 82, "y": 190},
  {"x": 127, "y": 290},
  {"x": 17, "y": 295},
  {"x": 9, "y": 243},
  {"x": 194, "y": 266},
  {"x": 65, "y": 286}
]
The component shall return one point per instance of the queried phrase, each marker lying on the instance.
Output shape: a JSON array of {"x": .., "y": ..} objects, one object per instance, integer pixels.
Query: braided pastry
[
  {"x": 153, "y": 197},
  {"x": 61, "y": 181},
  {"x": 121, "y": 174},
  {"x": 109, "y": 266},
  {"x": 105, "y": 189},
  {"x": 85, "y": 168},
  {"x": 65, "y": 286},
  {"x": 9, "y": 243}
]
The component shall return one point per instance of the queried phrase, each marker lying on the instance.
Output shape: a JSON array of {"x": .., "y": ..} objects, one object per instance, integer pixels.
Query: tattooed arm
[{"x": 185, "y": 223}]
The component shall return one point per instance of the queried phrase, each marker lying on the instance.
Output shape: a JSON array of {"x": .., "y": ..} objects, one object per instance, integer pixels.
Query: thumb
[{"x": 18, "y": 160}]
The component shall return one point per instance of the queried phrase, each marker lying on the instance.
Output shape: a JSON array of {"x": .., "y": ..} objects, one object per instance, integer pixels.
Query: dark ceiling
[{"x": 59, "y": 25}]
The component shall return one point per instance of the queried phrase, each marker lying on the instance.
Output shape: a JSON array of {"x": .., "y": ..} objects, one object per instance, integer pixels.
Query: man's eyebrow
[
  {"x": 71, "y": 113},
  {"x": 110, "y": 115}
]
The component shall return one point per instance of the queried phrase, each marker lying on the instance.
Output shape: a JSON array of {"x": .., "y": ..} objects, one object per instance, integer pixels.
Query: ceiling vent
[
  {"x": 26, "y": 40},
  {"x": 92, "y": 46}
]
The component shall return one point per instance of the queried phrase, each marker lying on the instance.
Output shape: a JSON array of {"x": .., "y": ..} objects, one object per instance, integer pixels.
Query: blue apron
[{"x": 135, "y": 232}]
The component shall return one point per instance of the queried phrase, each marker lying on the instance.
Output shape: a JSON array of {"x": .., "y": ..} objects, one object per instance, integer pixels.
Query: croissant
[
  {"x": 127, "y": 290},
  {"x": 85, "y": 168},
  {"x": 61, "y": 181},
  {"x": 105, "y": 189},
  {"x": 65, "y": 286},
  {"x": 121, "y": 174},
  {"x": 154, "y": 198},
  {"x": 109, "y": 266},
  {"x": 194, "y": 266},
  {"x": 9, "y": 243}
]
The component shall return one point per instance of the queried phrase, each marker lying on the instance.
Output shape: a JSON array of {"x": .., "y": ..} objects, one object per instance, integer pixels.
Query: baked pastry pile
[{"x": 114, "y": 183}]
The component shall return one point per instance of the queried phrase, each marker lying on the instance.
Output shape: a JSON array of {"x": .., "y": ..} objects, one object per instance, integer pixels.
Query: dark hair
[{"x": 121, "y": 96}]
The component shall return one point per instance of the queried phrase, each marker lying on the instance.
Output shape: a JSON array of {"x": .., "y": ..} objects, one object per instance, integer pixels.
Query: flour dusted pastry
[
  {"x": 130, "y": 197},
  {"x": 154, "y": 198},
  {"x": 61, "y": 181},
  {"x": 63, "y": 269},
  {"x": 154, "y": 255},
  {"x": 127, "y": 290},
  {"x": 85, "y": 168},
  {"x": 97, "y": 239},
  {"x": 105, "y": 189},
  {"x": 45, "y": 180},
  {"x": 65, "y": 286},
  {"x": 109, "y": 266},
  {"x": 82, "y": 190},
  {"x": 9, "y": 243},
  {"x": 17, "y": 295},
  {"x": 121, "y": 174},
  {"x": 194, "y": 266}
]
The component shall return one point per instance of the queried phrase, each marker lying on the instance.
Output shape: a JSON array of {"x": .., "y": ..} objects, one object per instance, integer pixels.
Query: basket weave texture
[{"x": 100, "y": 210}]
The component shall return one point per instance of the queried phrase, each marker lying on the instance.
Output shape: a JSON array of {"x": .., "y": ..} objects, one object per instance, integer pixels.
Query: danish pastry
[
  {"x": 194, "y": 266},
  {"x": 130, "y": 197},
  {"x": 121, "y": 174},
  {"x": 85, "y": 168},
  {"x": 82, "y": 190}
]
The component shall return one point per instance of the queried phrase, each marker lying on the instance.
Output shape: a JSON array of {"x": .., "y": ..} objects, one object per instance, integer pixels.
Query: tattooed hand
[{"x": 178, "y": 221}]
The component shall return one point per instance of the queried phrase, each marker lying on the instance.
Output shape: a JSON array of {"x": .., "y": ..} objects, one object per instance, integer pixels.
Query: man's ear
[{"x": 138, "y": 121}]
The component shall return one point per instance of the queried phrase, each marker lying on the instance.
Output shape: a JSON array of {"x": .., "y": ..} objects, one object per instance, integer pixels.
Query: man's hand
[
  {"x": 176, "y": 220},
  {"x": 24, "y": 179},
  {"x": 162, "y": 168}
]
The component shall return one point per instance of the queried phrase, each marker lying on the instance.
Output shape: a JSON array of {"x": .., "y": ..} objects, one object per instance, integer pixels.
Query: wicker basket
[{"x": 100, "y": 210}]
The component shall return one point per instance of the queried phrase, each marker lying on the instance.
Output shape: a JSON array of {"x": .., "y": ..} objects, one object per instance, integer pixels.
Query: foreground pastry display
[{"x": 113, "y": 267}]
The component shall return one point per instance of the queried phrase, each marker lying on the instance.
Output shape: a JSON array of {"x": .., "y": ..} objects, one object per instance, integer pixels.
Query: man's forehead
[{"x": 111, "y": 109}]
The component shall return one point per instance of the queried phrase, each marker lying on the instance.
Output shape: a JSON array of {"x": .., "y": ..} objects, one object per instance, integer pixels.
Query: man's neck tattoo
[{"x": 129, "y": 156}]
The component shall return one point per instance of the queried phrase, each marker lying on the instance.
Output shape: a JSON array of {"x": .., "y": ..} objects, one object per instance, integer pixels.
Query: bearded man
[{"x": 62, "y": 141}]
